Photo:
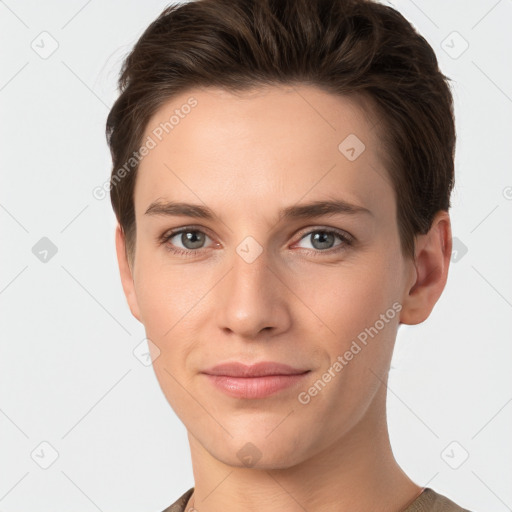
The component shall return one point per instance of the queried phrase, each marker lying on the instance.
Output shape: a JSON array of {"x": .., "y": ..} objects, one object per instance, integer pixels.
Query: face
[{"x": 266, "y": 276}]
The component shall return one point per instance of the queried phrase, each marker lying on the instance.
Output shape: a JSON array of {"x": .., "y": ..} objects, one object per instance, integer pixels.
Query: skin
[{"x": 246, "y": 156}]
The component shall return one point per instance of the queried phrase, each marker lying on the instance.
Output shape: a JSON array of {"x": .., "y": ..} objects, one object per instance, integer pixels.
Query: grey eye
[
  {"x": 190, "y": 239},
  {"x": 322, "y": 239}
]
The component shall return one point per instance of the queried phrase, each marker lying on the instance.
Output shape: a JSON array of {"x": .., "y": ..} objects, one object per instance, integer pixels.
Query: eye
[
  {"x": 322, "y": 240},
  {"x": 191, "y": 240}
]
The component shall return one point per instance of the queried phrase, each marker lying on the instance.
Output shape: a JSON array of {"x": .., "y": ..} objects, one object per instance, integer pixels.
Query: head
[{"x": 281, "y": 177}]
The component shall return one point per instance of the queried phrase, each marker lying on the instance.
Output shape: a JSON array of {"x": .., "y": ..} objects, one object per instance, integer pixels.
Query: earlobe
[
  {"x": 432, "y": 261},
  {"x": 126, "y": 274}
]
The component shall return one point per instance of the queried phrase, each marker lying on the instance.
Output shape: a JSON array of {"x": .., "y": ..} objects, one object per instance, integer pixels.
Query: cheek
[
  {"x": 166, "y": 293},
  {"x": 348, "y": 299},
  {"x": 351, "y": 304},
  {"x": 154, "y": 298},
  {"x": 174, "y": 303},
  {"x": 168, "y": 301}
]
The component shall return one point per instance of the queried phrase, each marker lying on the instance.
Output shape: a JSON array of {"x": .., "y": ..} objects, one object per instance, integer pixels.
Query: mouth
[
  {"x": 262, "y": 369},
  {"x": 255, "y": 381},
  {"x": 254, "y": 387}
]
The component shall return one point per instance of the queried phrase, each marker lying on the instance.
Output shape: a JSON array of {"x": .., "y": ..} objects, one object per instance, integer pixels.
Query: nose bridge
[
  {"x": 250, "y": 271},
  {"x": 250, "y": 298}
]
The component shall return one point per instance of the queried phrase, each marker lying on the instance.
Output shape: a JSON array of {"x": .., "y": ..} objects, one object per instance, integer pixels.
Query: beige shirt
[{"x": 427, "y": 501}]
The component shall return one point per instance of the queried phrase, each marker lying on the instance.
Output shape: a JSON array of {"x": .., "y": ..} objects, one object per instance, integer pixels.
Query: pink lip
[
  {"x": 236, "y": 369},
  {"x": 254, "y": 387},
  {"x": 255, "y": 381}
]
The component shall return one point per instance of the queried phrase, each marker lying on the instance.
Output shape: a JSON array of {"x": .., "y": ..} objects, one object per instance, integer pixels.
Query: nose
[{"x": 251, "y": 300}]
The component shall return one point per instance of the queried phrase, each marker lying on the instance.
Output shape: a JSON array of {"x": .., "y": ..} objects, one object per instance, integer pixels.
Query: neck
[{"x": 356, "y": 473}]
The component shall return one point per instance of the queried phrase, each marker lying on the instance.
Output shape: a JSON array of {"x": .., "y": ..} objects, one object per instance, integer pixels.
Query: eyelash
[{"x": 346, "y": 239}]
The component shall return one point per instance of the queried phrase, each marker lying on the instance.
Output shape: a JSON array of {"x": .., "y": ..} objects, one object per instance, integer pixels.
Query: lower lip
[{"x": 254, "y": 387}]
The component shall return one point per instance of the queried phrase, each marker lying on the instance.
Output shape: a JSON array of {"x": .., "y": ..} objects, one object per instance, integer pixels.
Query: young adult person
[{"x": 282, "y": 172}]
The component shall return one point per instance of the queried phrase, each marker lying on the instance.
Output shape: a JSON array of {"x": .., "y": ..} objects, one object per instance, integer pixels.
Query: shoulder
[
  {"x": 428, "y": 501},
  {"x": 431, "y": 501},
  {"x": 180, "y": 503}
]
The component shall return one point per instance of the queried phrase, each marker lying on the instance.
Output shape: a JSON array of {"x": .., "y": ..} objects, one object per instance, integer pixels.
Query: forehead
[{"x": 279, "y": 142}]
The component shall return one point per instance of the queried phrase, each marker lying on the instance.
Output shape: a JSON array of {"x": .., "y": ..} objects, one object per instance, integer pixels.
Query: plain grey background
[{"x": 83, "y": 422}]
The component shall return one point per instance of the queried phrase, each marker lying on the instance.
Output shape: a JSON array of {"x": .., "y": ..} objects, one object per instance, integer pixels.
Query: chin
[{"x": 257, "y": 450}]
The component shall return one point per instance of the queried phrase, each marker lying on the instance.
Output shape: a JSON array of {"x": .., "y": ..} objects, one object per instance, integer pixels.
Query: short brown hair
[{"x": 345, "y": 47}]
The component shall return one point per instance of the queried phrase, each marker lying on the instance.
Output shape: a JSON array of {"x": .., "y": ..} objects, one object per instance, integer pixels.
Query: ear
[
  {"x": 126, "y": 273},
  {"x": 432, "y": 259}
]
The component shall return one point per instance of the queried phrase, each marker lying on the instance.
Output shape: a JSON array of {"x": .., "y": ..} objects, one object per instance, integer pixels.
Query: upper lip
[{"x": 264, "y": 368}]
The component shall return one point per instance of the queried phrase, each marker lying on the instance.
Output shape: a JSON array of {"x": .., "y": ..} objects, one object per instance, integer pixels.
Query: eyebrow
[{"x": 304, "y": 211}]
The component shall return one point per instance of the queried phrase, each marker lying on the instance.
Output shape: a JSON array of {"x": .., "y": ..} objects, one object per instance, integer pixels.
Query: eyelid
[
  {"x": 304, "y": 231},
  {"x": 171, "y": 233},
  {"x": 328, "y": 229},
  {"x": 346, "y": 238},
  {"x": 347, "y": 241}
]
